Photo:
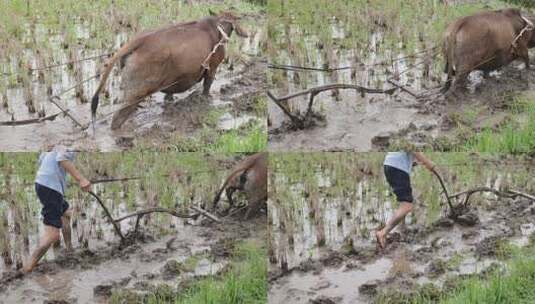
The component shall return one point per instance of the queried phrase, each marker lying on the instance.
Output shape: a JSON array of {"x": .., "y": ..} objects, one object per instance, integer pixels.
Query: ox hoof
[{"x": 168, "y": 97}]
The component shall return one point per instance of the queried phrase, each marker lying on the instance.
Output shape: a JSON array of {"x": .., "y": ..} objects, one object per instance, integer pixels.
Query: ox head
[
  {"x": 531, "y": 33},
  {"x": 523, "y": 22},
  {"x": 230, "y": 23}
]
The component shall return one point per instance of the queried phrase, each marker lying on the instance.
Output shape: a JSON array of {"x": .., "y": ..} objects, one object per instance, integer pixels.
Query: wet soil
[
  {"x": 91, "y": 275},
  {"x": 350, "y": 268},
  {"x": 158, "y": 122},
  {"x": 376, "y": 122}
]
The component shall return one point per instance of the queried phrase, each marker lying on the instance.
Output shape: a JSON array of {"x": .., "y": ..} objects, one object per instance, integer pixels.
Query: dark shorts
[
  {"x": 54, "y": 205},
  {"x": 400, "y": 181}
]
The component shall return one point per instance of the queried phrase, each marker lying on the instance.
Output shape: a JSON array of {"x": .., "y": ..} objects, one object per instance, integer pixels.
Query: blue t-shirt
[
  {"x": 51, "y": 174},
  {"x": 400, "y": 160}
]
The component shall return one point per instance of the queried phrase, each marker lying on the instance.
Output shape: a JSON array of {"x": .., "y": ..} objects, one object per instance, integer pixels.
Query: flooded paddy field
[
  {"x": 324, "y": 209},
  {"x": 165, "y": 257},
  {"x": 57, "y": 49},
  {"x": 371, "y": 44}
]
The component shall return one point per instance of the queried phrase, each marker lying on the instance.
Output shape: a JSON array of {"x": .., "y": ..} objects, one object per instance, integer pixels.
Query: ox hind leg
[
  {"x": 122, "y": 115},
  {"x": 132, "y": 101},
  {"x": 254, "y": 206},
  {"x": 449, "y": 81},
  {"x": 229, "y": 192}
]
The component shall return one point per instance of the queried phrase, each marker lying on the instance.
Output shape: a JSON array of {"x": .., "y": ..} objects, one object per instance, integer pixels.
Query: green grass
[
  {"x": 512, "y": 286},
  {"x": 515, "y": 136},
  {"x": 244, "y": 283},
  {"x": 251, "y": 137},
  {"x": 516, "y": 286}
]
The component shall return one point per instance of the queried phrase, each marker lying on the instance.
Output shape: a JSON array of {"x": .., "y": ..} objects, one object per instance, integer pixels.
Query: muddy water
[
  {"x": 337, "y": 283},
  {"x": 351, "y": 120},
  {"x": 65, "y": 284},
  {"x": 329, "y": 252},
  {"x": 182, "y": 115},
  {"x": 77, "y": 277},
  {"x": 354, "y": 122}
]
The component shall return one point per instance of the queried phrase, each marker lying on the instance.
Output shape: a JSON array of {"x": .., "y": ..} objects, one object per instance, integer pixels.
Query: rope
[
  {"x": 529, "y": 26},
  {"x": 76, "y": 85},
  {"x": 225, "y": 38},
  {"x": 58, "y": 65},
  {"x": 384, "y": 62}
]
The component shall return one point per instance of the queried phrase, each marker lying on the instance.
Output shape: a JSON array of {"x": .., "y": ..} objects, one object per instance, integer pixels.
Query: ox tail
[{"x": 108, "y": 66}]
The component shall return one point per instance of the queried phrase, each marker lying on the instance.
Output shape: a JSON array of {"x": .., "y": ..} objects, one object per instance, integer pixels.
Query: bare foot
[{"x": 381, "y": 240}]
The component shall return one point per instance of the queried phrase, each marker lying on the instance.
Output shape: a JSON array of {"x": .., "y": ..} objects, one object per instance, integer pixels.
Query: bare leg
[
  {"x": 403, "y": 209},
  {"x": 51, "y": 235},
  {"x": 66, "y": 229}
]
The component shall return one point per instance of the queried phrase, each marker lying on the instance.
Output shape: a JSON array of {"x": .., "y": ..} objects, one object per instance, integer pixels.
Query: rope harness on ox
[
  {"x": 529, "y": 27},
  {"x": 224, "y": 39}
]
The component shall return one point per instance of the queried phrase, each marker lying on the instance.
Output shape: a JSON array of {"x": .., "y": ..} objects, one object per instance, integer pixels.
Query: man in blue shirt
[
  {"x": 397, "y": 168},
  {"x": 50, "y": 184}
]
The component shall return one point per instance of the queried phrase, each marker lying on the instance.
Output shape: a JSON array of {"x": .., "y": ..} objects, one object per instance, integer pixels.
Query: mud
[
  {"x": 155, "y": 261},
  {"x": 159, "y": 122},
  {"x": 376, "y": 122},
  {"x": 405, "y": 266},
  {"x": 337, "y": 260}
]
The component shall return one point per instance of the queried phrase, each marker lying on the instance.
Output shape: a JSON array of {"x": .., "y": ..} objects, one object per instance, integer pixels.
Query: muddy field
[
  {"x": 322, "y": 225},
  {"x": 162, "y": 253},
  {"x": 188, "y": 251},
  {"x": 381, "y": 44},
  {"x": 188, "y": 122}
]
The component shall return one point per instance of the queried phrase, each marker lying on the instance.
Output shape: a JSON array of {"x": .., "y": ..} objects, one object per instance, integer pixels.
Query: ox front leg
[
  {"x": 209, "y": 75},
  {"x": 229, "y": 191},
  {"x": 522, "y": 51},
  {"x": 208, "y": 80}
]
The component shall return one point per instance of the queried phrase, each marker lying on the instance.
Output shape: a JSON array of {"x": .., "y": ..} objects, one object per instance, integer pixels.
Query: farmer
[
  {"x": 50, "y": 184},
  {"x": 397, "y": 168}
]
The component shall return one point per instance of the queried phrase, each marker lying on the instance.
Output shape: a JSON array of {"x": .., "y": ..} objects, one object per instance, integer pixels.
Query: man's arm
[
  {"x": 424, "y": 161},
  {"x": 84, "y": 183}
]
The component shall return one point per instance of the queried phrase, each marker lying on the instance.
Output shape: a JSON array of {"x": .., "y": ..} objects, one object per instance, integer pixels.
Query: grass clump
[
  {"x": 250, "y": 138},
  {"x": 245, "y": 281},
  {"x": 515, "y": 136},
  {"x": 498, "y": 287}
]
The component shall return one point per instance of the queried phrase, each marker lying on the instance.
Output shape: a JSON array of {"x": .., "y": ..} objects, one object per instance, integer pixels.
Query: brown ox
[
  {"x": 249, "y": 176},
  {"x": 169, "y": 59},
  {"x": 486, "y": 41}
]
